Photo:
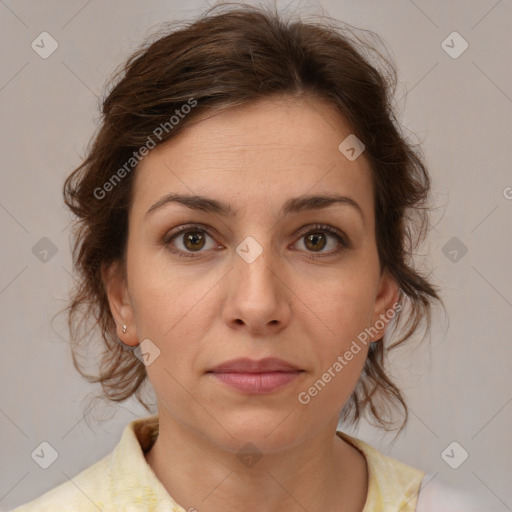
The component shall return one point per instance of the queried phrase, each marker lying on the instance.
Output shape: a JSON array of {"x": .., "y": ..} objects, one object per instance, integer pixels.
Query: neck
[{"x": 320, "y": 474}]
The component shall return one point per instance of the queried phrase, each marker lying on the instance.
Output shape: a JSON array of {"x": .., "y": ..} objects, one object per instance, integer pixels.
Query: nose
[{"x": 258, "y": 298}]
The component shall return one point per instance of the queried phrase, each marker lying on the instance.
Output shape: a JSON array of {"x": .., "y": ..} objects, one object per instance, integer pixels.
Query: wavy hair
[{"x": 224, "y": 59}]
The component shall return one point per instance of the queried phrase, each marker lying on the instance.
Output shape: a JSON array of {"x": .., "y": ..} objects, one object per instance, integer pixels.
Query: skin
[{"x": 215, "y": 306}]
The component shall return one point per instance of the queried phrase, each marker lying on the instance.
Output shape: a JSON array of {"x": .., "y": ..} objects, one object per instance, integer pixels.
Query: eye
[
  {"x": 316, "y": 238},
  {"x": 189, "y": 239},
  {"x": 193, "y": 238}
]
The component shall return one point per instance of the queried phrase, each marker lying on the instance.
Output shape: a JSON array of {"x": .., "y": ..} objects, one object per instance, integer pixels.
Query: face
[{"x": 269, "y": 275}]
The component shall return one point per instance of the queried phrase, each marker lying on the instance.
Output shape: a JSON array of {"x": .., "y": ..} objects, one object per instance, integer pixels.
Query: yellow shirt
[{"x": 124, "y": 482}]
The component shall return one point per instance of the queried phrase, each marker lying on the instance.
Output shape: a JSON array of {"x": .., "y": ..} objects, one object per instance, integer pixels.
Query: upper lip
[{"x": 246, "y": 365}]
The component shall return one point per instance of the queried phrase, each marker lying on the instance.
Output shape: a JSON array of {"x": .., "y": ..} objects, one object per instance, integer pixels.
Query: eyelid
[
  {"x": 327, "y": 228},
  {"x": 343, "y": 240},
  {"x": 197, "y": 226}
]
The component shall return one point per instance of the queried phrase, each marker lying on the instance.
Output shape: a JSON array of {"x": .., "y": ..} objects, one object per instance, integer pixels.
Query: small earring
[{"x": 124, "y": 328}]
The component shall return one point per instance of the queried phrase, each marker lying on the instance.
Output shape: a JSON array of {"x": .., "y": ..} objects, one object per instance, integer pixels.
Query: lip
[
  {"x": 256, "y": 377},
  {"x": 246, "y": 365},
  {"x": 257, "y": 383}
]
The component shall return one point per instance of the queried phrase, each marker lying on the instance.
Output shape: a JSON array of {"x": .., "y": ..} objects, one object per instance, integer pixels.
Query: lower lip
[{"x": 257, "y": 383}]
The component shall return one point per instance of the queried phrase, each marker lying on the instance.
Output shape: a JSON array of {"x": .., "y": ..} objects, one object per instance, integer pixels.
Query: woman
[{"x": 246, "y": 219}]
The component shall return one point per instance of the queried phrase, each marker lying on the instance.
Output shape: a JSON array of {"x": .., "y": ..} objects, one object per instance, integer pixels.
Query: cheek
[
  {"x": 339, "y": 360},
  {"x": 324, "y": 396},
  {"x": 340, "y": 308},
  {"x": 337, "y": 321},
  {"x": 176, "y": 313},
  {"x": 165, "y": 298}
]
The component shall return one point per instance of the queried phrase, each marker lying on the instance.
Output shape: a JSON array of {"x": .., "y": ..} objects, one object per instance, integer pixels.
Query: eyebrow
[{"x": 293, "y": 205}]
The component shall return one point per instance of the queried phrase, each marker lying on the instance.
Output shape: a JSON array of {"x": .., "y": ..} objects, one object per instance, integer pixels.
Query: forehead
[{"x": 257, "y": 156}]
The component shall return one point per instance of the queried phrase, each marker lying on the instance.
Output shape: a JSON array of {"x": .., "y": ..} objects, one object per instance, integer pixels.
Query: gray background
[{"x": 458, "y": 383}]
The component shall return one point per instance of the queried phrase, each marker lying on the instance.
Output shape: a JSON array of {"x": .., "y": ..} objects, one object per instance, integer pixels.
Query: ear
[
  {"x": 121, "y": 308},
  {"x": 385, "y": 305}
]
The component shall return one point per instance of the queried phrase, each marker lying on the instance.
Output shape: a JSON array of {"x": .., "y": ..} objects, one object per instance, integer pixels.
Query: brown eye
[
  {"x": 194, "y": 240},
  {"x": 315, "y": 241},
  {"x": 188, "y": 240},
  {"x": 320, "y": 237}
]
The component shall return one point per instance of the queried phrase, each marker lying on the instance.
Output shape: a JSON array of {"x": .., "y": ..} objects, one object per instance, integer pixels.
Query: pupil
[
  {"x": 197, "y": 241},
  {"x": 194, "y": 237},
  {"x": 314, "y": 238}
]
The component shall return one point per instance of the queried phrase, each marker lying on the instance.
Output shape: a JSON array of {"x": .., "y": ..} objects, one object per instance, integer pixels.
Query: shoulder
[
  {"x": 437, "y": 496},
  {"x": 121, "y": 481},
  {"x": 392, "y": 484},
  {"x": 84, "y": 492}
]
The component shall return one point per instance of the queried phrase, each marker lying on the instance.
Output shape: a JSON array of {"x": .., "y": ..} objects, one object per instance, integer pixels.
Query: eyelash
[{"x": 167, "y": 241}]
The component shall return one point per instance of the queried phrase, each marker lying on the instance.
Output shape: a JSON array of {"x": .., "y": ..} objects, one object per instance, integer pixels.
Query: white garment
[{"x": 437, "y": 496}]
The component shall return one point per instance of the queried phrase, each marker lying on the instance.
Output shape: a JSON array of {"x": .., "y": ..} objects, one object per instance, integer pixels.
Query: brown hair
[{"x": 219, "y": 61}]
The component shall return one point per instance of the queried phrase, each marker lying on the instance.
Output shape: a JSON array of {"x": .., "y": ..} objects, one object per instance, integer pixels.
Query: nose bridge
[
  {"x": 255, "y": 264},
  {"x": 258, "y": 298}
]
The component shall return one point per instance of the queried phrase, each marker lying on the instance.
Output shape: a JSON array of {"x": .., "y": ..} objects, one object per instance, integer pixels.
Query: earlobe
[{"x": 119, "y": 302}]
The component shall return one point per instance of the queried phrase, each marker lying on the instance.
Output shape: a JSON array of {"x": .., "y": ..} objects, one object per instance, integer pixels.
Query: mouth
[
  {"x": 246, "y": 365},
  {"x": 257, "y": 383},
  {"x": 256, "y": 377}
]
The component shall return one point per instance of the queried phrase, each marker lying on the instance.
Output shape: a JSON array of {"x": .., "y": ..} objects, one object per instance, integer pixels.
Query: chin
[{"x": 268, "y": 432}]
